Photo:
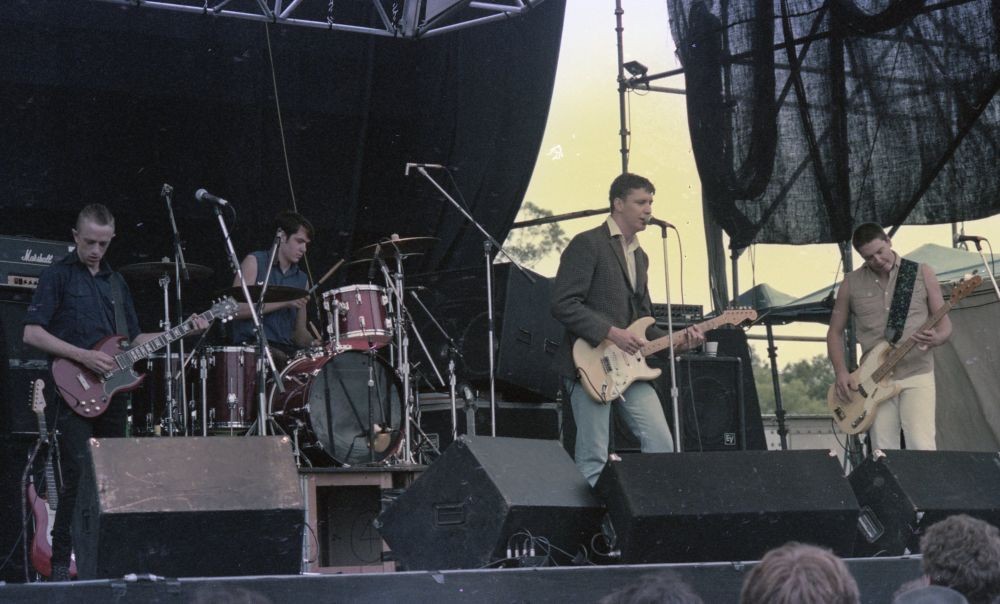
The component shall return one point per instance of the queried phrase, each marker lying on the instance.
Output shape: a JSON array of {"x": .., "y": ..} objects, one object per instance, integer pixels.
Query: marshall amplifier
[{"x": 23, "y": 259}]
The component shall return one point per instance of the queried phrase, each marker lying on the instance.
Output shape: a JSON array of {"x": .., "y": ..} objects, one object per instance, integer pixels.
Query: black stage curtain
[{"x": 105, "y": 104}]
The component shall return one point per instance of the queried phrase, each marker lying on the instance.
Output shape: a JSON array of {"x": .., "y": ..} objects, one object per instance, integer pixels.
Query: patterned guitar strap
[{"x": 901, "y": 300}]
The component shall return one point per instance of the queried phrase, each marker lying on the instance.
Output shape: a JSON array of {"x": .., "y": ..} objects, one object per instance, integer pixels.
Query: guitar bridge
[
  {"x": 83, "y": 381},
  {"x": 860, "y": 419}
]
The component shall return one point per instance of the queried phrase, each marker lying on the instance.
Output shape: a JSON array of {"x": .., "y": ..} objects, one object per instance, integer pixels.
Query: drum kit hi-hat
[{"x": 344, "y": 401}]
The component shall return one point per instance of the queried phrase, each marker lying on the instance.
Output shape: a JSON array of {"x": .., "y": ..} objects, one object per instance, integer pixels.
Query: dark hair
[
  {"x": 663, "y": 588},
  {"x": 796, "y": 572},
  {"x": 96, "y": 213},
  {"x": 866, "y": 233},
  {"x": 963, "y": 553},
  {"x": 624, "y": 183},
  {"x": 290, "y": 222}
]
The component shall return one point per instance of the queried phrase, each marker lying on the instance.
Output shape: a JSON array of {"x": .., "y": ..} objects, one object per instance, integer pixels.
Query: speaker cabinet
[
  {"x": 527, "y": 336},
  {"x": 189, "y": 507},
  {"x": 701, "y": 507},
  {"x": 487, "y": 494},
  {"x": 516, "y": 420},
  {"x": 903, "y": 492}
]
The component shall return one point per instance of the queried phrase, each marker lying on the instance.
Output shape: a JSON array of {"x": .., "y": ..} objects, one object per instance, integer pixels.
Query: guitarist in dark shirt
[{"x": 73, "y": 308}]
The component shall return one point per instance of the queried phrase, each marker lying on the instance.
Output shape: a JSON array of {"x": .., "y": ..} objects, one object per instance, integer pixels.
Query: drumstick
[
  {"x": 327, "y": 275},
  {"x": 315, "y": 332}
]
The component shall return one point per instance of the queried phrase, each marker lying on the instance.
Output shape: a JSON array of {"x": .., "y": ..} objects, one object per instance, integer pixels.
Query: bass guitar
[
  {"x": 89, "y": 394},
  {"x": 874, "y": 373},
  {"x": 43, "y": 509},
  {"x": 606, "y": 370}
]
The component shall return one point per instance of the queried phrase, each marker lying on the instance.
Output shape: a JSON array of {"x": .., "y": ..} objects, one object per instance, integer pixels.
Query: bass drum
[{"x": 326, "y": 401}]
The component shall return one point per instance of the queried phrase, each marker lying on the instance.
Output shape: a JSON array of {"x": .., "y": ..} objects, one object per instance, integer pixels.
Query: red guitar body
[
  {"x": 41, "y": 544},
  {"x": 87, "y": 393}
]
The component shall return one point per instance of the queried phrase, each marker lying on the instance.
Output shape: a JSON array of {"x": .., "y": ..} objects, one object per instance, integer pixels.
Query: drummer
[{"x": 284, "y": 322}]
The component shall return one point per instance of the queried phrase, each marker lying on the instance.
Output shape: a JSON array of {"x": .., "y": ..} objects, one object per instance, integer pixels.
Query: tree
[
  {"x": 530, "y": 245},
  {"x": 803, "y": 385}
]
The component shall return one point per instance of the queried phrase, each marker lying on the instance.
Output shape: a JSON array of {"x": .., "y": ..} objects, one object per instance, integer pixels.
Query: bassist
[
  {"x": 874, "y": 295},
  {"x": 79, "y": 301},
  {"x": 600, "y": 288}
]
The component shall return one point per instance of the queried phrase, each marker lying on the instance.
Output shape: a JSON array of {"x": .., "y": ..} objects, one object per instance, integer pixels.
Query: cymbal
[
  {"x": 365, "y": 262},
  {"x": 274, "y": 293},
  {"x": 389, "y": 248},
  {"x": 154, "y": 270}
]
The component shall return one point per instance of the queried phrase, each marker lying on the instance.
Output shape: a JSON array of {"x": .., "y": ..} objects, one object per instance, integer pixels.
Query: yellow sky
[{"x": 580, "y": 156}]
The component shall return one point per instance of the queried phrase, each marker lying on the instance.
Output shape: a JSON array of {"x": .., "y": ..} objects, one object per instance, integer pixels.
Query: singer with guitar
[
  {"x": 876, "y": 295},
  {"x": 79, "y": 301},
  {"x": 600, "y": 289}
]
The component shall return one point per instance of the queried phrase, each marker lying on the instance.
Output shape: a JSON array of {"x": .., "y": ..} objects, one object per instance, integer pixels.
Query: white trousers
[{"x": 912, "y": 410}]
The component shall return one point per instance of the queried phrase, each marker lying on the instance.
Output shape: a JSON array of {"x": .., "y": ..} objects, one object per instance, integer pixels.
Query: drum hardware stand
[
  {"x": 265, "y": 349},
  {"x": 488, "y": 244},
  {"x": 452, "y": 352},
  {"x": 180, "y": 269}
]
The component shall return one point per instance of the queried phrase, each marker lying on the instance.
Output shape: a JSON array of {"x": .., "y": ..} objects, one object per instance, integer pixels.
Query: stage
[{"x": 878, "y": 579}]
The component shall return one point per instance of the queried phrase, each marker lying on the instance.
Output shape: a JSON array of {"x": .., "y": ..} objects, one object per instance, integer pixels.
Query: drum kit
[{"x": 344, "y": 401}]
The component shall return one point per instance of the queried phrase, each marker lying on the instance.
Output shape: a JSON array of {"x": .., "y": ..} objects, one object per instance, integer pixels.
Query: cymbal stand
[
  {"x": 262, "y": 344},
  {"x": 489, "y": 243},
  {"x": 180, "y": 269},
  {"x": 168, "y": 385},
  {"x": 452, "y": 352},
  {"x": 234, "y": 262}
]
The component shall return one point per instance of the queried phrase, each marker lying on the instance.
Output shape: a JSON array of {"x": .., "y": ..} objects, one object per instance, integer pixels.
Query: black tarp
[
  {"x": 103, "y": 103},
  {"x": 883, "y": 112}
]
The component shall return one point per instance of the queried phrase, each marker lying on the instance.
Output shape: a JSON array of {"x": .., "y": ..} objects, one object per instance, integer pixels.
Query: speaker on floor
[
  {"x": 701, "y": 507},
  {"x": 189, "y": 507},
  {"x": 487, "y": 494},
  {"x": 903, "y": 492}
]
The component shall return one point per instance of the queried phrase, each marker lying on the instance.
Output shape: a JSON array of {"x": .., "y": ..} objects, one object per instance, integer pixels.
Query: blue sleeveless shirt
[{"x": 280, "y": 324}]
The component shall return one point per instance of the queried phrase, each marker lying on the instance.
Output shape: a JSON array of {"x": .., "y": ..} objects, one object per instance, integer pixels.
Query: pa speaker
[
  {"x": 186, "y": 507},
  {"x": 700, "y": 507},
  {"x": 903, "y": 492},
  {"x": 487, "y": 494}
]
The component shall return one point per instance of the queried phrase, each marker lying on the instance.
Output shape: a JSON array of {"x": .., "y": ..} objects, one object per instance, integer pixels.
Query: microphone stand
[
  {"x": 488, "y": 244},
  {"x": 265, "y": 350},
  {"x": 989, "y": 269},
  {"x": 180, "y": 268},
  {"x": 674, "y": 396},
  {"x": 452, "y": 352}
]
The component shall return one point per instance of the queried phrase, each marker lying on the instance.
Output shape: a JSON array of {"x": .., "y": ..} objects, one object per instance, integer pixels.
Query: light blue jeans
[{"x": 642, "y": 412}]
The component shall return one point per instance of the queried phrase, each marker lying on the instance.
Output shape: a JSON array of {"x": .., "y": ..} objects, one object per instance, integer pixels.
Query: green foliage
[
  {"x": 532, "y": 244},
  {"x": 803, "y": 385}
]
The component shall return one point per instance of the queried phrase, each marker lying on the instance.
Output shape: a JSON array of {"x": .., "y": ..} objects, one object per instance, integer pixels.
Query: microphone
[
  {"x": 663, "y": 224},
  {"x": 203, "y": 195},
  {"x": 406, "y": 172},
  {"x": 371, "y": 266},
  {"x": 964, "y": 238}
]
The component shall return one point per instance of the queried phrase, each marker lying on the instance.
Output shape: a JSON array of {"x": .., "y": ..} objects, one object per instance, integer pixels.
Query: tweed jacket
[{"x": 592, "y": 292}]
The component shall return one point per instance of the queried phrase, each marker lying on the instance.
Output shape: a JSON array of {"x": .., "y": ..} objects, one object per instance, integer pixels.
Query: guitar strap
[
  {"x": 118, "y": 295},
  {"x": 901, "y": 300}
]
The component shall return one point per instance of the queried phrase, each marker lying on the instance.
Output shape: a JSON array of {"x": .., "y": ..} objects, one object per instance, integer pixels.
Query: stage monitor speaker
[
  {"x": 189, "y": 507},
  {"x": 701, "y": 507},
  {"x": 487, "y": 494},
  {"x": 903, "y": 492},
  {"x": 527, "y": 336}
]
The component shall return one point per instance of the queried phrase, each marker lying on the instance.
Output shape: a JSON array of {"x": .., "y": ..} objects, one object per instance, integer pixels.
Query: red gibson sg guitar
[
  {"x": 89, "y": 394},
  {"x": 44, "y": 509}
]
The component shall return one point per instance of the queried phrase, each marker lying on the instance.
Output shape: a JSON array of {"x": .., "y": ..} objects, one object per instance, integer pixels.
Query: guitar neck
[
  {"x": 134, "y": 355},
  {"x": 51, "y": 492},
  {"x": 664, "y": 341},
  {"x": 900, "y": 351}
]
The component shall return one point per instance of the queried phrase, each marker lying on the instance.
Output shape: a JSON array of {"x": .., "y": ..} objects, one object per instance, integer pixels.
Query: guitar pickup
[
  {"x": 860, "y": 419},
  {"x": 839, "y": 412}
]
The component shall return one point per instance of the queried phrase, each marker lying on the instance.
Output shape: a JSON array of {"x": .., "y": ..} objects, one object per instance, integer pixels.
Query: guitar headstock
[
  {"x": 37, "y": 398},
  {"x": 964, "y": 288},
  {"x": 224, "y": 309},
  {"x": 739, "y": 315}
]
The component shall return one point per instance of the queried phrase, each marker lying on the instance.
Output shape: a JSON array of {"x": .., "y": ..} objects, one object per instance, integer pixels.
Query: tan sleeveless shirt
[{"x": 871, "y": 300}]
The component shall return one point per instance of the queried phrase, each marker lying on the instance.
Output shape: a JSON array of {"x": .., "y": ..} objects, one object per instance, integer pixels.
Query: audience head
[
  {"x": 963, "y": 553},
  {"x": 662, "y": 588},
  {"x": 796, "y": 572}
]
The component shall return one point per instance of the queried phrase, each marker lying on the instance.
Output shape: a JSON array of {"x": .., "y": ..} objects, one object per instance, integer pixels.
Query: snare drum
[
  {"x": 358, "y": 317},
  {"x": 326, "y": 400},
  {"x": 230, "y": 387}
]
